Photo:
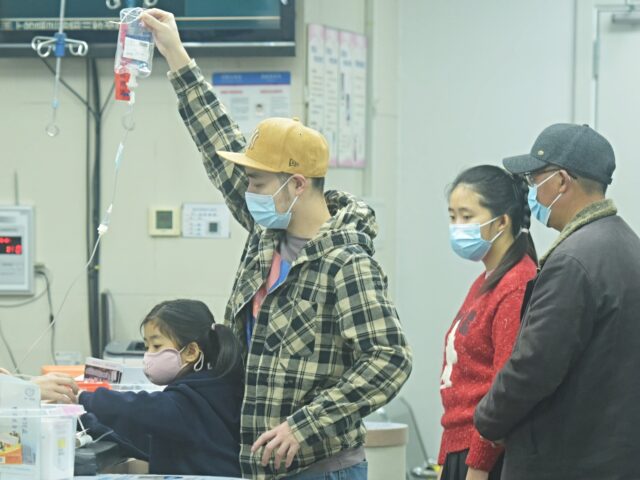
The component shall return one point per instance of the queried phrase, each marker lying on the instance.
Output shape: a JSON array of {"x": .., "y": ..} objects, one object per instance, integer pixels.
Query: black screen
[{"x": 209, "y": 25}]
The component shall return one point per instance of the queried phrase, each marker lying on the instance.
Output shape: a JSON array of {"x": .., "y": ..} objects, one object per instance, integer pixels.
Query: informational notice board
[
  {"x": 337, "y": 92},
  {"x": 253, "y": 96}
]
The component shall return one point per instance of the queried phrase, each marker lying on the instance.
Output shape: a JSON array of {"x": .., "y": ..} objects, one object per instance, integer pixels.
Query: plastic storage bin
[{"x": 38, "y": 443}]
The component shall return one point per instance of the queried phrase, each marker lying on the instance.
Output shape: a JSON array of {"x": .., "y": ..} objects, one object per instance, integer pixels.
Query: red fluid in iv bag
[{"x": 122, "y": 91}]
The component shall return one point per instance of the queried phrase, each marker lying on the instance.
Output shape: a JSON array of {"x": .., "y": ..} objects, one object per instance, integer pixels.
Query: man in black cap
[{"x": 567, "y": 402}]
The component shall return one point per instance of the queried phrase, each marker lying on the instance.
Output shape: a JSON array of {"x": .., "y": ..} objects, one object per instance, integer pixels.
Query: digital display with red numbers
[{"x": 10, "y": 245}]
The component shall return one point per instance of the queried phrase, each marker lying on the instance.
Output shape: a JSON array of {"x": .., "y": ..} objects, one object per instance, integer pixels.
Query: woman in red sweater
[{"x": 490, "y": 220}]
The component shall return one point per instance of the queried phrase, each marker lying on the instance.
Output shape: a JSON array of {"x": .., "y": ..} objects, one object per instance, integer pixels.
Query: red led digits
[{"x": 11, "y": 245}]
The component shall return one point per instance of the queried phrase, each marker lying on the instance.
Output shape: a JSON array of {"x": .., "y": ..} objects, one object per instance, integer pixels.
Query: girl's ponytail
[{"x": 225, "y": 351}]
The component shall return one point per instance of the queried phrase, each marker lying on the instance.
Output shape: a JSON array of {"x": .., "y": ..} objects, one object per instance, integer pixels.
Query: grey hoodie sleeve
[{"x": 556, "y": 328}]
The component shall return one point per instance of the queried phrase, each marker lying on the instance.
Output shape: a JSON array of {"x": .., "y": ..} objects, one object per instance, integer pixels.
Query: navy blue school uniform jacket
[{"x": 193, "y": 426}]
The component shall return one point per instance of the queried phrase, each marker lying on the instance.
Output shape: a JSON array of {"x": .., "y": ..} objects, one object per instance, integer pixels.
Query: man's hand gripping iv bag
[{"x": 134, "y": 51}]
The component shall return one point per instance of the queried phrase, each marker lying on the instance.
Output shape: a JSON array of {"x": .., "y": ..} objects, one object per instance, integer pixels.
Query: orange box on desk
[
  {"x": 93, "y": 386},
  {"x": 73, "y": 370},
  {"x": 11, "y": 454}
]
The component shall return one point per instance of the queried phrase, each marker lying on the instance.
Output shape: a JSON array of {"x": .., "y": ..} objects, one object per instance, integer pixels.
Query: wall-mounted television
[{"x": 213, "y": 27}]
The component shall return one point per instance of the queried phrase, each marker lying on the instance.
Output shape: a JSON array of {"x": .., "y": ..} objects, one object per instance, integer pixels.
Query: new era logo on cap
[
  {"x": 254, "y": 137},
  {"x": 284, "y": 145}
]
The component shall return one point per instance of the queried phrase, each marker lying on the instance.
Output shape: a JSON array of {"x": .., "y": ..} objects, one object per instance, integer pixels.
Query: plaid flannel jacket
[{"x": 327, "y": 347}]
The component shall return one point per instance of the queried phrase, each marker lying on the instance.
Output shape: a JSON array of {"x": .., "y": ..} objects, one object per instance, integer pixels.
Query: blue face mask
[
  {"x": 263, "y": 209},
  {"x": 538, "y": 210},
  {"x": 466, "y": 240}
]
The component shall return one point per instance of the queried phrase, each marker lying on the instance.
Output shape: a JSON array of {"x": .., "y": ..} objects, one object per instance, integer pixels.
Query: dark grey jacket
[{"x": 567, "y": 402}]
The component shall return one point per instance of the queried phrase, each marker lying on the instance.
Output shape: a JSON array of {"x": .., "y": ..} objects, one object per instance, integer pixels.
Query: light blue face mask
[
  {"x": 263, "y": 209},
  {"x": 538, "y": 210},
  {"x": 466, "y": 240}
]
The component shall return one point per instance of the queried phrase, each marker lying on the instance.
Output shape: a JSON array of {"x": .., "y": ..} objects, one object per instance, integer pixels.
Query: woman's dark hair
[
  {"x": 502, "y": 194},
  {"x": 185, "y": 321}
]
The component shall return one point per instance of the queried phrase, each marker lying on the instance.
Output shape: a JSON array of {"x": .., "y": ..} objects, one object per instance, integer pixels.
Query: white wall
[
  {"x": 51, "y": 176},
  {"x": 161, "y": 166},
  {"x": 478, "y": 81}
]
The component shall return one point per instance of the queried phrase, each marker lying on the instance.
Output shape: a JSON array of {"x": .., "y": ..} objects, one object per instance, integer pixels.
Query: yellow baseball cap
[{"x": 284, "y": 145}]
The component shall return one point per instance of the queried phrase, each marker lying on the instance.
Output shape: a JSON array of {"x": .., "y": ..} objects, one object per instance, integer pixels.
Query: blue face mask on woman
[
  {"x": 538, "y": 210},
  {"x": 263, "y": 209},
  {"x": 466, "y": 240}
]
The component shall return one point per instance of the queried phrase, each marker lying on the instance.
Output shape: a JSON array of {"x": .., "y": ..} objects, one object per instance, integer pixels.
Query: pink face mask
[{"x": 163, "y": 367}]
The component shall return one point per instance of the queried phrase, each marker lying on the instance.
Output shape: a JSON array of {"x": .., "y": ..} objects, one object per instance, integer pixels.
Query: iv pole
[{"x": 57, "y": 44}]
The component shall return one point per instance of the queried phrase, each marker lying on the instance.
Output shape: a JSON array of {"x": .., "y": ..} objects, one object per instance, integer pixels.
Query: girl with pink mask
[{"x": 192, "y": 427}]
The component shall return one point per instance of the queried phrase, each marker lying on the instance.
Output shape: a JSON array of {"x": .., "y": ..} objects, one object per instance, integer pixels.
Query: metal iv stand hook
[{"x": 57, "y": 44}]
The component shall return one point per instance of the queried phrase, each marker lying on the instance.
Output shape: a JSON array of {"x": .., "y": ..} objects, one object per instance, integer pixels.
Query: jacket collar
[
  {"x": 591, "y": 213},
  {"x": 352, "y": 222}
]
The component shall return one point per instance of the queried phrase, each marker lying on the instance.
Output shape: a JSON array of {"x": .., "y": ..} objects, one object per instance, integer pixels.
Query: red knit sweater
[{"x": 477, "y": 345}]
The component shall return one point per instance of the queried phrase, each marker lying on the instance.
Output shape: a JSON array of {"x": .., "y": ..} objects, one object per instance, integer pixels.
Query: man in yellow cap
[{"x": 324, "y": 346}]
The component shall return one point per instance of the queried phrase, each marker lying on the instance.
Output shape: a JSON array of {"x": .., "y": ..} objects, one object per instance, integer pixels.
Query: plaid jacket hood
[
  {"x": 352, "y": 222},
  {"x": 327, "y": 347}
]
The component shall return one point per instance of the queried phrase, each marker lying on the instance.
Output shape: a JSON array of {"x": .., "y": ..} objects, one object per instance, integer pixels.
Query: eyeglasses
[{"x": 529, "y": 176}]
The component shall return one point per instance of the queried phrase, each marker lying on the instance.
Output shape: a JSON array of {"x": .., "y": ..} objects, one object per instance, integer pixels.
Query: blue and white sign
[
  {"x": 252, "y": 78},
  {"x": 251, "y": 97}
]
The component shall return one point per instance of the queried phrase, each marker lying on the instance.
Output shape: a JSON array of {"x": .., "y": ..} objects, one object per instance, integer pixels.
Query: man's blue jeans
[{"x": 357, "y": 472}]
